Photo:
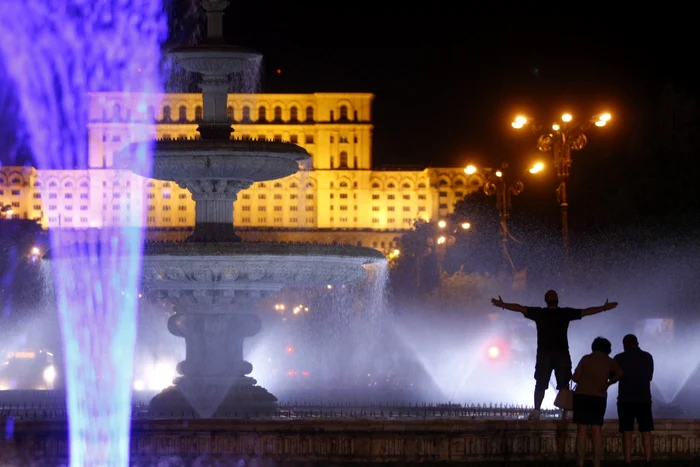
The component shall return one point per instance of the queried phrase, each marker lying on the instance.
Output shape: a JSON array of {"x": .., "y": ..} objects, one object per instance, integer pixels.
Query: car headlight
[{"x": 50, "y": 374}]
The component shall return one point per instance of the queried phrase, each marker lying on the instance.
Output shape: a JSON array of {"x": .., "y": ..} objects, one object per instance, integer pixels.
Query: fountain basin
[
  {"x": 251, "y": 267},
  {"x": 214, "y": 59},
  {"x": 231, "y": 160}
]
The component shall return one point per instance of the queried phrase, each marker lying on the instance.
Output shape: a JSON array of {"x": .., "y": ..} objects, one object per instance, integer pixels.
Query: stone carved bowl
[
  {"x": 242, "y": 160},
  {"x": 214, "y": 59},
  {"x": 218, "y": 275}
]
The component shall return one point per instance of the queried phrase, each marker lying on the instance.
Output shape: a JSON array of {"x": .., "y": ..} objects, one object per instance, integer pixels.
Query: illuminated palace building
[{"x": 340, "y": 199}]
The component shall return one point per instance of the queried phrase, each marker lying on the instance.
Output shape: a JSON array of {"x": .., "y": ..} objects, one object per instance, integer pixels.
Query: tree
[{"x": 21, "y": 281}]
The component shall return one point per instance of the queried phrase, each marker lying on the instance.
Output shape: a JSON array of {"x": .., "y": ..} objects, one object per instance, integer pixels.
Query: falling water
[{"x": 58, "y": 51}]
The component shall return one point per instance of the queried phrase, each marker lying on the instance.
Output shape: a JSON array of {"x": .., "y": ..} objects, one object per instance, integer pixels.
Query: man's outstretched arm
[
  {"x": 594, "y": 310},
  {"x": 508, "y": 306}
]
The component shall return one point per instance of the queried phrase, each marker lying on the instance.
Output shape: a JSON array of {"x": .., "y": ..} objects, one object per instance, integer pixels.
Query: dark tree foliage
[
  {"x": 21, "y": 283},
  {"x": 415, "y": 271}
]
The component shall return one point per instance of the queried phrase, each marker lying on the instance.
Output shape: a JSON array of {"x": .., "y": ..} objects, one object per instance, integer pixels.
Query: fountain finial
[{"x": 214, "y": 10}]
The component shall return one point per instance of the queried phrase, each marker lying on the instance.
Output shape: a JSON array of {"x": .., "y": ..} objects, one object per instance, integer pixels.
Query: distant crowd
[{"x": 583, "y": 393}]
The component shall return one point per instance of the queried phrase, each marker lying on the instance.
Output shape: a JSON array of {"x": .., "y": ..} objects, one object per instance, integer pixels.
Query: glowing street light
[
  {"x": 562, "y": 140},
  {"x": 442, "y": 224},
  {"x": 466, "y": 226},
  {"x": 470, "y": 169},
  {"x": 499, "y": 184},
  {"x": 538, "y": 167}
]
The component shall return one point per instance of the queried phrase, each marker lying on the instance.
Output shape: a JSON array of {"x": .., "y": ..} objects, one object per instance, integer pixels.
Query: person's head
[
  {"x": 601, "y": 344},
  {"x": 630, "y": 342},
  {"x": 551, "y": 299}
]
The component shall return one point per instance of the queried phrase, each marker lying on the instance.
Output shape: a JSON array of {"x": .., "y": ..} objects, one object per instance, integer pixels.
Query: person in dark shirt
[
  {"x": 634, "y": 395},
  {"x": 552, "y": 340}
]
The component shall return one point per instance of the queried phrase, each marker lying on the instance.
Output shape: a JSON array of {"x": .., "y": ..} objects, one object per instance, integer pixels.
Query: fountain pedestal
[{"x": 214, "y": 379}]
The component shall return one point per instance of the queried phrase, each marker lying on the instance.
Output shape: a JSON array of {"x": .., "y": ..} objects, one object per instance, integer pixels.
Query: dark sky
[{"x": 447, "y": 87}]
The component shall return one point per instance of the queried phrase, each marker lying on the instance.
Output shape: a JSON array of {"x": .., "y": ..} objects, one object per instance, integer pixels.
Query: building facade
[{"x": 337, "y": 198}]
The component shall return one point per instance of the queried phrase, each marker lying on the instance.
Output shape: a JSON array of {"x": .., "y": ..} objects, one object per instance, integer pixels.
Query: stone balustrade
[{"x": 337, "y": 441}]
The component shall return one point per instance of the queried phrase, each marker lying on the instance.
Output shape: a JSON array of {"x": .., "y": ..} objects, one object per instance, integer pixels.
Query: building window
[
  {"x": 343, "y": 160},
  {"x": 406, "y": 197},
  {"x": 166, "y": 114},
  {"x": 343, "y": 112},
  {"x": 442, "y": 194},
  {"x": 309, "y": 114},
  {"x": 375, "y": 208},
  {"x": 309, "y": 139},
  {"x": 343, "y": 139},
  {"x": 293, "y": 114},
  {"x": 406, "y": 208},
  {"x": 277, "y": 138},
  {"x": 183, "y": 114},
  {"x": 262, "y": 114},
  {"x": 375, "y": 196},
  {"x": 229, "y": 114},
  {"x": 198, "y": 113},
  {"x": 375, "y": 220},
  {"x": 278, "y": 114},
  {"x": 294, "y": 139},
  {"x": 246, "y": 114}
]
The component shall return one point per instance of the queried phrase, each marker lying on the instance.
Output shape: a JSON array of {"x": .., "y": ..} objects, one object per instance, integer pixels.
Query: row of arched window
[{"x": 118, "y": 115}]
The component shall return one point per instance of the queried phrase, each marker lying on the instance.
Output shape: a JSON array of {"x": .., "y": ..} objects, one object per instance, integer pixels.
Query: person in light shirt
[{"x": 594, "y": 374}]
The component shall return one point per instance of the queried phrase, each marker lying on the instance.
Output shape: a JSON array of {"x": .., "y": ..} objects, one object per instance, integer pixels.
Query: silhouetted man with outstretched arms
[{"x": 552, "y": 340}]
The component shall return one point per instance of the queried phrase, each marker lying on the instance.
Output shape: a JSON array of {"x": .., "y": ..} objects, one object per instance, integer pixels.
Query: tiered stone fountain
[{"x": 212, "y": 279}]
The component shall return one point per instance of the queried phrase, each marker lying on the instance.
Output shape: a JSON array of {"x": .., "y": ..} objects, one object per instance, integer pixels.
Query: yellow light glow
[
  {"x": 466, "y": 225},
  {"x": 470, "y": 169},
  {"x": 499, "y": 173},
  {"x": 397, "y": 252},
  {"x": 566, "y": 118},
  {"x": 9, "y": 212},
  {"x": 442, "y": 224},
  {"x": 555, "y": 127},
  {"x": 521, "y": 120},
  {"x": 600, "y": 123},
  {"x": 517, "y": 125},
  {"x": 441, "y": 240},
  {"x": 605, "y": 117},
  {"x": 494, "y": 351},
  {"x": 35, "y": 251},
  {"x": 538, "y": 167}
]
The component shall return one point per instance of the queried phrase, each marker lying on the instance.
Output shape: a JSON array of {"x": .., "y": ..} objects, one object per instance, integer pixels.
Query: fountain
[{"x": 212, "y": 279}]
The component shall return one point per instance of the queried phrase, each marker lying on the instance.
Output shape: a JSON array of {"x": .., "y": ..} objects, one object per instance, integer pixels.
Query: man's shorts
[
  {"x": 628, "y": 412},
  {"x": 559, "y": 363}
]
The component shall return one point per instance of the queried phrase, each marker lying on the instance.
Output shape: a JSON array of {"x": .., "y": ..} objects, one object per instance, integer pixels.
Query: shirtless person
[{"x": 552, "y": 340}]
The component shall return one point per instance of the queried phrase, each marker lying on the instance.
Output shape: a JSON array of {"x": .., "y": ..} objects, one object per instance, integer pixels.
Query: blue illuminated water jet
[{"x": 58, "y": 52}]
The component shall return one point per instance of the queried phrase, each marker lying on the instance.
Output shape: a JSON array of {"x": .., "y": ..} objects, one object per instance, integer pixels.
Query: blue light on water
[{"x": 57, "y": 52}]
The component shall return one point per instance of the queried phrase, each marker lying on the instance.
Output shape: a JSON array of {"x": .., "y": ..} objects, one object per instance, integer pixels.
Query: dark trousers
[{"x": 547, "y": 362}]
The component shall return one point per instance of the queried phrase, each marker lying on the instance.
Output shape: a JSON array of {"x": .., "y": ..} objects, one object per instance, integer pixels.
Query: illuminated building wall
[{"x": 339, "y": 199}]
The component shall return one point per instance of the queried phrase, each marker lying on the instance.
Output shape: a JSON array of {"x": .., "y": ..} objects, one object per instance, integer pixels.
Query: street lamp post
[
  {"x": 562, "y": 138},
  {"x": 500, "y": 184}
]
